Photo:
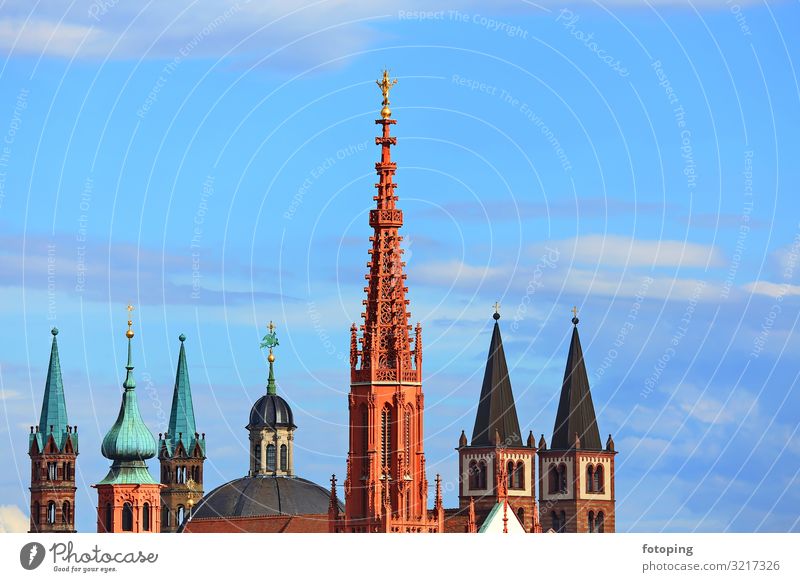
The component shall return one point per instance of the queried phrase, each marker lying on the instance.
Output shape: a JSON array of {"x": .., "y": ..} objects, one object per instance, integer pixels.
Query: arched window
[
  {"x": 109, "y": 515},
  {"x": 562, "y": 478},
  {"x": 164, "y": 516},
  {"x": 599, "y": 524},
  {"x": 65, "y": 512},
  {"x": 270, "y": 457},
  {"x": 146, "y": 517},
  {"x": 519, "y": 476},
  {"x": 179, "y": 515},
  {"x": 364, "y": 431},
  {"x": 591, "y": 522},
  {"x": 472, "y": 473},
  {"x": 510, "y": 475},
  {"x": 284, "y": 458},
  {"x": 127, "y": 517},
  {"x": 37, "y": 513},
  {"x": 51, "y": 512},
  {"x": 553, "y": 478},
  {"x": 407, "y": 436},
  {"x": 589, "y": 478},
  {"x": 482, "y": 477},
  {"x": 562, "y": 522},
  {"x": 599, "y": 485},
  {"x": 257, "y": 457},
  {"x": 386, "y": 437},
  {"x": 51, "y": 471}
]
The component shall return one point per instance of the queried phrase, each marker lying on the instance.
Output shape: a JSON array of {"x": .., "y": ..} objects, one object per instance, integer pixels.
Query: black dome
[
  {"x": 271, "y": 410},
  {"x": 263, "y": 495}
]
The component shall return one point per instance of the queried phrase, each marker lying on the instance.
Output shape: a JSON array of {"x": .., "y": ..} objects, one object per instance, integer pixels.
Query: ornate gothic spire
[{"x": 386, "y": 353}]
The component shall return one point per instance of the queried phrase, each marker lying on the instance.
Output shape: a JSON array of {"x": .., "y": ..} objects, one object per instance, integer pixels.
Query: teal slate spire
[
  {"x": 182, "y": 425},
  {"x": 129, "y": 442},
  {"x": 54, "y": 406}
]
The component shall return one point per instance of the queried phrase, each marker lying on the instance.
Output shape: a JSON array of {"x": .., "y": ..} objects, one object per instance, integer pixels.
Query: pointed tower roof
[
  {"x": 575, "y": 409},
  {"x": 54, "y": 405},
  {"x": 181, "y": 418},
  {"x": 129, "y": 442},
  {"x": 497, "y": 412}
]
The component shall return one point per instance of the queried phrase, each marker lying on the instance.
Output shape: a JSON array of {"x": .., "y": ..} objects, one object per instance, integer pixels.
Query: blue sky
[{"x": 212, "y": 163}]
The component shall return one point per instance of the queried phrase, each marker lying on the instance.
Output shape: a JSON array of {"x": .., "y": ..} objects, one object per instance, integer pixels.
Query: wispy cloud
[
  {"x": 773, "y": 290},
  {"x": 12, "y": 520}
]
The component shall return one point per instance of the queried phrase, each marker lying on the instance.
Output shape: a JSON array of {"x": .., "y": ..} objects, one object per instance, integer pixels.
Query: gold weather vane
[{"x": 386, "y": 84}]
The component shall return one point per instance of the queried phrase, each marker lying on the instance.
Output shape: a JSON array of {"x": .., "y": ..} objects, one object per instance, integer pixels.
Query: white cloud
[
  {"x": 12, "y": 520},
  {"x": 8, "y": 394},
  {"x": 457, "y": 273},
  {"x": 773, "y": 290},
  {"x": 623, "y": 251}
]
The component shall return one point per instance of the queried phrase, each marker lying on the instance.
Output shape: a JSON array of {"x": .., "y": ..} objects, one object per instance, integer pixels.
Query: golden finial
[
  {"x": 496, "y": 310},
  {"x": 386, "y": 84},
  {"x": 574, "y": 315},
  {"x": 129, "y": 333}
]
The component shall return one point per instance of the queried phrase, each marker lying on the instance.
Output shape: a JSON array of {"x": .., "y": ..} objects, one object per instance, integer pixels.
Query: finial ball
[
  {"x": 54, "y": 331},
  {"x": 182, "y": 338},
  {"x": 271, "y": 358},
  {"x": 496, "y": 316},
  {"x": 129, "y": 334},
  {"x": 575, "y": 321}
]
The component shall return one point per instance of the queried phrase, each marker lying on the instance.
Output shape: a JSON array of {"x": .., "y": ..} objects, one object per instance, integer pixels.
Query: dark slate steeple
[
  {"x": 496, "y": 410},
  {"x": 575, "y": 409},
  {"x": 53, "y": 418},
  {"x": 181, "y": 418}
]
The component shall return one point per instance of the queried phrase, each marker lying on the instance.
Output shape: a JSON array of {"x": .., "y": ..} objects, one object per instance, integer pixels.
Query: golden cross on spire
[
  {"x": 574, "y": 311},
  {"x": 386, "y": 84},
  {"x": 129, "y": 333},
  {"x": 496, "y": 307},
  {"x": 271, "y": 326}
]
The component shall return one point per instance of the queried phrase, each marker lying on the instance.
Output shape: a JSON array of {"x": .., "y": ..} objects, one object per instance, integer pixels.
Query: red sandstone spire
[
  {"x": 386, "y": 488},
  {"x": 386, "y": 353}
]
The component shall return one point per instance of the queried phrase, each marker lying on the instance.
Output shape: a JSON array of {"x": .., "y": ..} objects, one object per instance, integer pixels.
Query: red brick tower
[
  {"x": 576, "y": 474},
  {"x": 53, "y": 448},
  {"x": 386, "y": 488}
]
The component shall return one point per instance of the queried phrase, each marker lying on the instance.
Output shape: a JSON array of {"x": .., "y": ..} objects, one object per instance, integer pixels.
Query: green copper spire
[
  {"x": 270, "y": 341},
  {"x": 129, "y": 442},
  {"x": 181, "y": 418},
  {"x": 54, "y": 406}
]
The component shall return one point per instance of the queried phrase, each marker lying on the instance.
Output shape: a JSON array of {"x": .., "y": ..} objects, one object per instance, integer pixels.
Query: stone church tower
[
  {"x": 386, "y": 488},
  {"x": 576, "y": 483},
  {"x": 271, "y": 426},
  {"x": 496, "y": 466},
  {"x": 128, "y": 498},
  {"x": 53, "y": 449},
  {"x": 181, "y": 452}
]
